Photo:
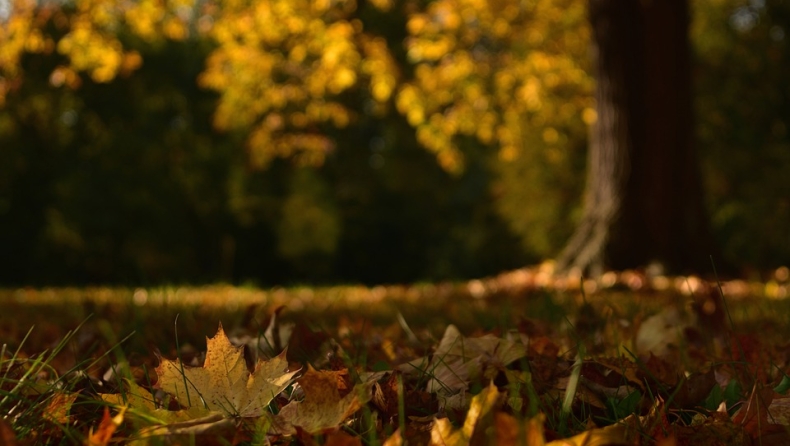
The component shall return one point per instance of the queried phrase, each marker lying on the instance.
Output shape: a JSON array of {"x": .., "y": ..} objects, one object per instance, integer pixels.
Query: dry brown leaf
[
  {"x": 755, "y": 409},
  {"x": 306, "y": 345},
  {"x": 224, "y": 383},
  {"x": 491, "y": 350},
  {"x": 458, "y": 360},
  {"x": 323, "y": 407},
  {"x": 661, "y": 333}
]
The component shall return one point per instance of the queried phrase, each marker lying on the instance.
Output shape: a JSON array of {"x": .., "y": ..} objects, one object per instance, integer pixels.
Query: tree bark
[{"x": 644, "y": 200}]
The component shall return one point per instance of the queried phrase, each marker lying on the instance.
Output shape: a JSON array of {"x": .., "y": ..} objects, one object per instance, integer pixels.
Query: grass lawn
[{"x": 516, "y": 359}]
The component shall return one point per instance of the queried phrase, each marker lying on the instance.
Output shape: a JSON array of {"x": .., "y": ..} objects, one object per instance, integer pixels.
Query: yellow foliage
[
  {"x": 289, "y": 59},
  {"x": 493, "y": 64},
  {"x": 495, "y": 70},
  {"x": 18, "y": 34},
  {"x": 589, "y": 115},
  {"x": 91, "y": 39}
]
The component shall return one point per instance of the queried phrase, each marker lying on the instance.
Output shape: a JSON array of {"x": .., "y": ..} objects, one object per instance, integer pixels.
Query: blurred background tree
[
  {"x": 280, "y": 142},
  {"x": 644, "y": 198}
]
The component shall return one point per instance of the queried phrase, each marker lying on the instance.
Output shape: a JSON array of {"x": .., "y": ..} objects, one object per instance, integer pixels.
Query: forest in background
[{"x": 371, "y": 141}]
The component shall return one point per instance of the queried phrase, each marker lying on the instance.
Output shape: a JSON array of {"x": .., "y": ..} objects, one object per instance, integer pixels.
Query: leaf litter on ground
[{"x": 677, "y": 375}]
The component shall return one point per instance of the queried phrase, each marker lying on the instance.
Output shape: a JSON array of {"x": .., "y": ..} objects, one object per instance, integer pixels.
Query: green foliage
[
  {"x": 309, "y": 226},
  {"x": 743, "y": 118},
  {"x": 538, "y": 192}
]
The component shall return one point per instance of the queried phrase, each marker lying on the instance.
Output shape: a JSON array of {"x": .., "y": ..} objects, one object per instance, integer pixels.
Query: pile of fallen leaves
[
  {"x": 516, "y": 388},
  {"x": 685, "y": 377}
]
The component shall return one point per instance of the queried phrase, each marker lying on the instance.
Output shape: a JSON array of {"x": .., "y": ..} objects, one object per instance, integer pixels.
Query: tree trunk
[{"x": 644, "y": 196}]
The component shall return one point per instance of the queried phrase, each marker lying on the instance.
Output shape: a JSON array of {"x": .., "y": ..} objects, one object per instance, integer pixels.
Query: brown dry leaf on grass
[
  {"x": 224, "y": 383},
  {"x": 527, "y": 365},
  {"x": 323, "y": 406},
  {"x": 459, "y": 360}
]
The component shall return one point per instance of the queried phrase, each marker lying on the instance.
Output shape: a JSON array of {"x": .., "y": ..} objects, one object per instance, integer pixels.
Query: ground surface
[{"x": 522, "y": 355}]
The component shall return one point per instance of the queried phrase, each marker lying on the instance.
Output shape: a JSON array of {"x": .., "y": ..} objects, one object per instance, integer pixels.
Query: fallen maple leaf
[
  {"x": 224, "y": 383},
  {"x": 323, "y": 407}
]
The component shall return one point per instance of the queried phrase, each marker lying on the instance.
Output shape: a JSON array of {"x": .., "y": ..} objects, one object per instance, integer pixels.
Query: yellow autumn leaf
[
  {"x": 223, "y": 383},
  {"x": 482, "y": 405}
]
